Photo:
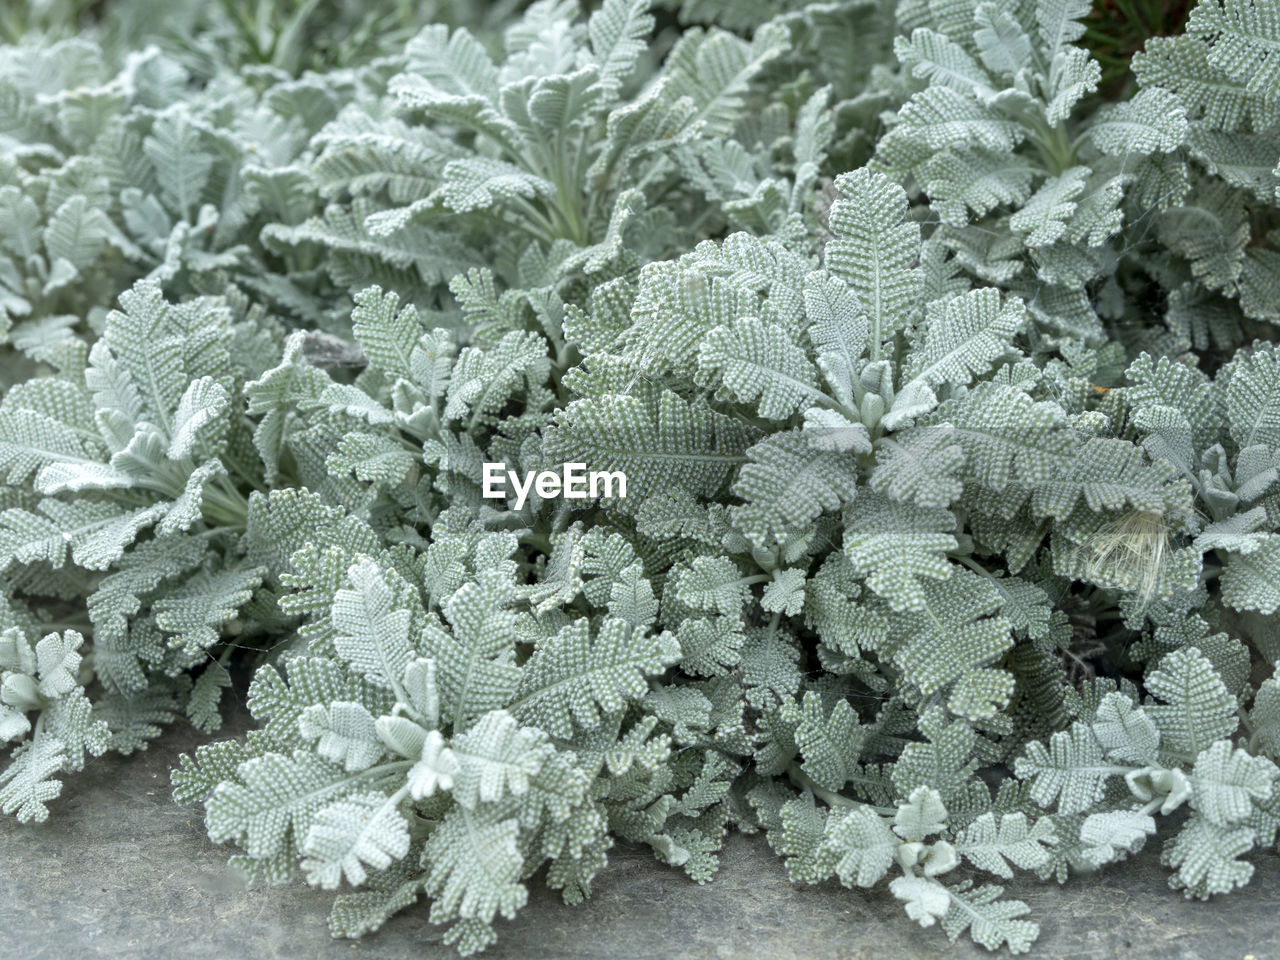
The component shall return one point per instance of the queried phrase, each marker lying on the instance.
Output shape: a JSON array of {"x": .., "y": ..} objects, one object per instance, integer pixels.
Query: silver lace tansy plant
[{"x": 945, "y": 391}]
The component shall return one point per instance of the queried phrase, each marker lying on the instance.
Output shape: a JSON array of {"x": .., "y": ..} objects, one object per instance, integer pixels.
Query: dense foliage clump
[{"x": 940, "y": 364}]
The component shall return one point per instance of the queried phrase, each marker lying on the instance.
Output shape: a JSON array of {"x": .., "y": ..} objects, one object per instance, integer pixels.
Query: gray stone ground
[{"x": 122, "y": 871}]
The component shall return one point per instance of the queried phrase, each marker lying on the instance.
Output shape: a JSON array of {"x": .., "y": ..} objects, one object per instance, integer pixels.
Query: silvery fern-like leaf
[
  {"x": 135, "y": 718},
  {"x": 925, "y": 900},
  {"x": 64, "y": 477},
  {"x": 288, "y": 193},
  {"x": 1125, "y": 732},
  {"x": 1073, "y": 75},
  {"x": 474, "y": 866},
  {"x": 1162, "y": 382},
  {"x": 875, "y": 250},
  {"x": 1197, "y": 708},
  {"x": 837, "y": 329},
  {"x": 758, "y": 363},
  {"x": 934, "y": 57},
  {"x": 204, "y": 704},
  {"x": 897, "y": 545},
  {"x": 991, "y": 922},
  {"x": 1205, "y": 854},
  {"x": 194, "y": 611},
  {"x": 858, "y": 846},
  {"x": 1238, "y": 533},
  {"x": 182, "y": 164},
  {"x": 830, "y": 743},
  {"x": 162, "y": 346},
  {"x": 675, "y": 308},
  {"x": 631, "y": 598},
  {"x": 73, "y": 721},
  {"x": 1264, "y": 718},
  {"x": 198, "y": 774},
  {"x": 1098, "y": 214},
  {"x": 1207, "y": 91},
  {"x": 362, "y": 155},
  {"x": 14, "y": 724},
  {"x": 452, "y": 73},
  {"x": 356, "y": 257},
  {"x": 273, "y": 801},
  {"x": 711, "y": 584},
  {"x": 1210, "y": 229},
  {"x": 483, "y": 380},
  {"x": 1226, "y": 784},
  {"x": 346, "y": 837},
  {"x": 988, "y": 844},
  {"x": 769, "y": 666},
  {"x": 1153, "y": 121},
  {"x": 474, "y": 661},
  {"x": 495, "y": 758},
  {"x": 1260, "y": 284},
  {"x": 31, "y": 439},
  {"x": 664, "y": 446},
  {"x": 609, "y": 315},
  {"x": 1003, "y": 45},
  {"x": 1242, "y": 37},
  {"x": 22, "y": 218},
  {"x": 371, "y": 633},
  {"x": 1160, "y": 180},
  {"x": 387, "y": 332},
  {"x": 831, "y": 610},
  {"x": 350, "y": 400},
  {"x": 715, "y": 68},
  {"x": 387, "y": 893},
  {"x": 372, "y": 459},
  {"x": 787, "y": 481},
  {"x": 44, "y": 677},
  {"x": 1043, "y": 218},
  {"x": 1059, "y": 22},
  {"x": 919, "y": 466},
  {"x": 344, "y": 732},
  {"x": 77, "y": 233},
  {"x": 710, "y": 646},
  {"x": 1072, "y": 771},
  {"x": 1249, "y": 580},
  {"x": 796, "y": 826},
  {"x": 1110, "y": 836},
  {"x": 25, "y": 784},
  {"x": 1242, "y": 160},
  {"x": 1007, "y": 436},
  {"x": 964, "y": 336},
  {"x": 93, "y": 534},
  {"x": 965, "y": 179},
  {"x": 785, "y": 592},
  {"x": 831, "y": 430},
  {"x": 618, "y": 32},
  {"x": 940, "y": 117},
  {"x": 920, "y": 816},
  {"x": 1253, "y": 398},
  {"x": 952, "y": 641},
  {"x": 574, "y": 677},
  {"x": 187, "y": 508},
  {"x": 467, "y": 185},
  {"x": 1109, "y": 474},
  {"x": 199, "y": 421}
]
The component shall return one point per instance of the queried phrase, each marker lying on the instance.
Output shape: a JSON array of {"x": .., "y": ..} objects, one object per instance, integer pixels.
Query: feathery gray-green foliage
[{"x": 945, "y": 387}]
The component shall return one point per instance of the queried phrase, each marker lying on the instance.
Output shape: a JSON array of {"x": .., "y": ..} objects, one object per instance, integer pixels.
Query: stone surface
[{"x": 121, "y": 871}]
